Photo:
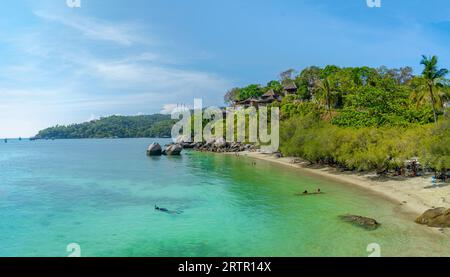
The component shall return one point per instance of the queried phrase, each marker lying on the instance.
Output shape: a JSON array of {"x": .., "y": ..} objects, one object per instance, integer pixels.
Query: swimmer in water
[{"x": 161, "y": 209}]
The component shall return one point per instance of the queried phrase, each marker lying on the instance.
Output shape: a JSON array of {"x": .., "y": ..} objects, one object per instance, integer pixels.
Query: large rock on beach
[
  {"x": 365, "y": 222},
  {"x": 154, "y": 149},
  {"x": 438, "y": 217}
]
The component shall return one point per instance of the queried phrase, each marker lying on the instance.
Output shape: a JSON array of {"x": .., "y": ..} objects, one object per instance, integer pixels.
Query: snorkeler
[{"x": 161, "y": 209}]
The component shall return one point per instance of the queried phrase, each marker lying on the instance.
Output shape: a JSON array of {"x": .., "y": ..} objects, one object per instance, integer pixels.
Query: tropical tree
[
  {"x": 286, "y": 76},
  {"x": 250, "y": 91},
  {"x": 276, "y": 86},
  {"x": 232, "y": 95},
  {"x": 431, "y": 84},
  {"x": 325, "y": 91}
]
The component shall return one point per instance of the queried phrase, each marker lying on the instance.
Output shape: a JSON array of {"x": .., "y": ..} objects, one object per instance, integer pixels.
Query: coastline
[{"x": 412, "y": 195}]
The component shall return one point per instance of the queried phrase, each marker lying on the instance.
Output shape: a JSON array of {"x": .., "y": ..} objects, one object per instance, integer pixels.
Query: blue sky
[{"x": 60, "y": 65}]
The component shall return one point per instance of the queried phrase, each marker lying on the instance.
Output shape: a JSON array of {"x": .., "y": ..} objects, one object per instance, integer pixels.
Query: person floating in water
[
  {"x": 161, "y": 209},
  {"x": 307, "y": 193},
  {"x": 164, "y": 210}
]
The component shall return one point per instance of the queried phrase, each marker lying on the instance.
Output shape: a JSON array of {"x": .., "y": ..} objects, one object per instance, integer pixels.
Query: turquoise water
[{"x": 101, "y": 194}]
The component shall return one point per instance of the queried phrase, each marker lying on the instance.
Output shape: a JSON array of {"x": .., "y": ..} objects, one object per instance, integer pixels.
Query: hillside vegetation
[
  {"x": 363, "y": 118},
  {"x": 156, "y": 125}
]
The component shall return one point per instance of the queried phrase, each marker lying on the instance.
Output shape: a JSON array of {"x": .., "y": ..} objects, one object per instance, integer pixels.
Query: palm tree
[
  {"x": 433, "y": 81},
  {"x": 326, "y": 89}
]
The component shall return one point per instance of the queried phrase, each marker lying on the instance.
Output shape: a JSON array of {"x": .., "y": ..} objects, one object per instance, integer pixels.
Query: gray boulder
[
  {"x": 439, "y": 218},
  {"x": 154, "y": 149},
  {"x": 365, "y": 222},
  {"x": 173, "y": 150}
]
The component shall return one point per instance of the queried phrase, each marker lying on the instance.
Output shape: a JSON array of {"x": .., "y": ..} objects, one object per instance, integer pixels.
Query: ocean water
[{"x": 100, "y": 194}]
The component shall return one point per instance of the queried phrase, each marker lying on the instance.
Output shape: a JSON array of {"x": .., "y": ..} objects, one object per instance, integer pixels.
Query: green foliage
[
  {"x": 113, "y": 127},
  {"x": 436, "y": 150},
  {"x": 250, "y": 91},
  {"x": 376, "y": 107},
  {"x": 363, "y": 149},
  {"x": 433, "y": 84},
  {"x": 276, "y": 86},
  {"x": 231, "y": 95},
  {"x": 291, "y": 109}
]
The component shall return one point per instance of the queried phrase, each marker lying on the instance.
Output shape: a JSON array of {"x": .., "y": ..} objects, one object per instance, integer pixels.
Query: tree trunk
[
  {"x": 432, "y": 102},
  {"x": 328, "y": 102}
]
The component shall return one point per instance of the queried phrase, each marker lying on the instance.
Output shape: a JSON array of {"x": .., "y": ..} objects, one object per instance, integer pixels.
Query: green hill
[{"x": 156, "y": 125}]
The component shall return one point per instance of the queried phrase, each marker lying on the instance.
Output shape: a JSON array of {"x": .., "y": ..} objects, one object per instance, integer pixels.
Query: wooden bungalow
[
  {"x": 266, "y": 99},
  {"x": 269, "y": 97},
  {"x": 247, "y": 103},
  {"x": 290, "y": 88}
]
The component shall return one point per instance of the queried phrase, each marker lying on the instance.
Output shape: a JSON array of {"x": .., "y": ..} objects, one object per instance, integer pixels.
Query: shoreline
[{"x": 412, "y": 195}]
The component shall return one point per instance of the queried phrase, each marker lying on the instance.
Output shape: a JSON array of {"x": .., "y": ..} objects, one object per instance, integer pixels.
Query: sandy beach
[{"x": 413, "y": 195}]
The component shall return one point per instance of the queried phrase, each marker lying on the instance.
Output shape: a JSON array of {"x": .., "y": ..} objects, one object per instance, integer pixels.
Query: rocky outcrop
[
  {"x": 188, "y": 145},
  {"x": 173, "y": 150},
  {"x": 154, "y": 149},
  {"x": 438, "y": 217},
  {"x": 365, "y": 222},
  {"x": 219, "y": 145}
]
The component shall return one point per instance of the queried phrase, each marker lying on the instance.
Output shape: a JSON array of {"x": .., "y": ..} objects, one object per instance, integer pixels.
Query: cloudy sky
[{"x": 61, "y": 65}]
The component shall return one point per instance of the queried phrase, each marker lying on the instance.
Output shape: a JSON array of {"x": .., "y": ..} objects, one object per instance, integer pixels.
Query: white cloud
[
  {"x": 54, "y": 78},
  {"x": 120, "y": 33}
]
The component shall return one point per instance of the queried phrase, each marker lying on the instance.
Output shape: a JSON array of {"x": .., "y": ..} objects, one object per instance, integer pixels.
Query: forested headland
[{"x": 115, "y": 126}]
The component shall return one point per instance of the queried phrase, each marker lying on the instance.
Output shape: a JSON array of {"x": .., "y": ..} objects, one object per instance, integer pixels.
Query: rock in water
[
  {"x": 154, "y": 149},
  {"x": 173, "y": 150},
  {"x": 439, "y": 218},
  {"x": 367, "y": 223}
]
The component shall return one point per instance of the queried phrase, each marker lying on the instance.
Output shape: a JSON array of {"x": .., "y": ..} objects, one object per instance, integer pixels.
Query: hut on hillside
[
  {"x": 252, "y": 101},
  {"x": 290, "y": 88},
  {"x": 269, "y": 97}
]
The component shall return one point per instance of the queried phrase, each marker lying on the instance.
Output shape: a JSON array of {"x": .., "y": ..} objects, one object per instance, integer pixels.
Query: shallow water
[{"x": 101, "y": 194}]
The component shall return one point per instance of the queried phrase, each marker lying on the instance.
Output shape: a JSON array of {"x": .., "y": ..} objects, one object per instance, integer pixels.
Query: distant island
[{"x": 156, "y": 125}]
